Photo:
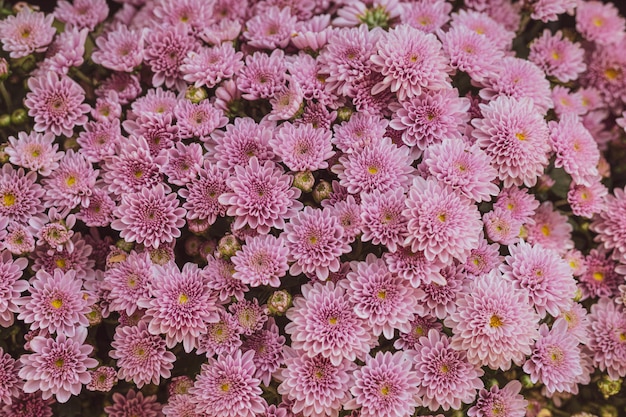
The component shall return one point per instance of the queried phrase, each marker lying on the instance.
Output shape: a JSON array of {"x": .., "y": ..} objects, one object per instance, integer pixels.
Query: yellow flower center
[
  {"x": 183, "y": 299},
  {"x": 495, "y": 321},
  {"x": 384, "y": 390},
  {"x": 70, "y": 181},
  {"x": 545, "y": 230},
  {"x": 225, "y": 387},
  {"x": 612, "y": 73},
  {"x": 597, "y": 21},
  {"x": 442, "y": 217},
  {"x": 60, "y": 263},
  {"x": 372, "y": 170},
  {"x": 555, "y": 55},
  {"x": 8, "y": 199},
  {"x": 520, "y": 136},
  {"x": 444, "y": 368},
  {"x": 56, "y": 303},
  {"x": 382, "y": 294},
  {"x": 598, "y": 276},
  {"x": 333, "y": 321},
  {"x": 59, "y": 363}
]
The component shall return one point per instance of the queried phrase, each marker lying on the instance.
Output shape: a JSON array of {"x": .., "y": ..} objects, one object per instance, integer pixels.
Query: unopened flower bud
[
  {"x": 4, "y": 69},
  {"x": 578, "y": 295},
  {"x": 71, "y": 143},
  {"x": 161, "y": 255},
  {"x": 207, "y": 248},
  {"x": 198, "y": 226},
  {"x": 5, "y": 120},
  {"x": 4, "y": 156},
  {"x": 196, "y": 94},
  {"x": 95, "y": 315},
  {"x": 21, "y": 5},
  {"x": 192, "y": 245},
  {"x": 322, "y": 191},
  {"x": 304, "y": 181},
  {"x": 19, "y": 117},
  {"x": 344, "y": 114},
  {"x": 608, "y": 410},
  {"x": 526, "y": 382},
  {"x": 179, "y": 385},
  {"x": 279, "y": 302},
  {"x": 609, "y": 387},
  {"x": 544, "y": 412},
  {"x": 124, "y": 245},
  {"x": 228, "y": 246}
]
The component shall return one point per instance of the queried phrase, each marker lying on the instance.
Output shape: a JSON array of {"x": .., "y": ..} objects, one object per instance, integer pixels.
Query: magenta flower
[
  {"x": 181, "y": 304},
  {"x": 26, "y": 32},
  {"x": 600, "y": 278},
  {"x": 226, "y": 387},
  {"x": 57, "y": 367},
  {"x": 414, "y": 267},
  {"x": 120, "y": 49},
  {"x": 586, "y": 200},
  {"x": 271, "y": 29},
  {"x": 556, "y": 359},
  {"x": 202, "y": 193},
  {"x": 209, "y": 66},
  {"x": 11, "y": 383},
  {"x": 441, "y": 223},
  {"x": 71, "y": 183},
  {"x": 56, "y": 303},
  {"x": 263, "y": 75},
  {"x": 302, "y": 147},
  {"x": 382, "y": 218},
  {"x": 11, "y": 287},
  {"x": 427, "y": 16},
  {"x": 494, "y": 323},
  {"x": 380, "y": 166},
  {"x": 607, "y": 335},
  {"x": 519, "y": 202},
  {"x": 268, "y": 345},
  {"x": 240, "y": 142},
  {"x": 316, "y": 386},
  {"x": 544, "y": 274},
  {"x": 558, "y": 56},
  {"x": 323, "y": 322},
  {"x": 140, "y": 356},
  {"x": 550, "y": 229},
  {"x": 262, "y": 196},
  {"x": 261, "y": 261},
  {"x": 133, "y": 404},
  {"x": 128, "y": 282},
  {"x": 198, "y": 120},
  {"x": 387, "y": 385},
  {"x": 35, "y": 152},
  {"x": 99, "y": 139},
  {"x": 220, "y": 279},
  {"x": 29, "y": 405},
  {"x": 380, "y": 297},
  {"x": 608, "y": 224},
  {"x": 410, "y": 60},
  {"x": 513, "y": 133},
  {"x": 483, "y": 259},
  {"x": 472, "y": 52},
  {"x": 505, "y": 402},
  {"x": 151, "y": 216},
  {"x": 439, "y": 299},
  {"x": 361, "y": 130},
  {"x": 420, "y": 325},
  {"x": 56, "y": 104},
  {"x": 445, "y": 377},
  {"x": 222, "y": 337},
  {"x": 348, "y": 212},
  {"x": 483, "y": 24},
  {"x": 81, "y": 13},
  {"x": 600, "y": 23},
  {"x": 102, "y": 379},
  {"x": 182, "y": 162}
]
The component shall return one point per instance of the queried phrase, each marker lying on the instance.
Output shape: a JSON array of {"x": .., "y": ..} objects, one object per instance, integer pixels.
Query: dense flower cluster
[{"x": 313, "y": 208}]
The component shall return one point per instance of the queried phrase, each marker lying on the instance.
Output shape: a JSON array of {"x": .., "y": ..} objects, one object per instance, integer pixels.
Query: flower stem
[{"x": 6, "y": 97}]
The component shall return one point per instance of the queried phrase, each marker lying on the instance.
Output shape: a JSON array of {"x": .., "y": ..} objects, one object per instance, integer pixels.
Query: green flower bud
[
  {"x": 322, "y": 191},
  {"x": 304, "y": 181},
  {"x": 196, "y": 94},
  {"x": 526, "y": 382},
  {"x": 344, "y": 114},
  {"x": 279, "y": 302},
  {"x": 5, "y": 120},
  {"x": 609, "y": 387},
  {"x": 19, "y": 117},
  {"x": 124, "y": 245},
  {"x": 228, "y": 246},
  {"x": 608, "y": 410}
]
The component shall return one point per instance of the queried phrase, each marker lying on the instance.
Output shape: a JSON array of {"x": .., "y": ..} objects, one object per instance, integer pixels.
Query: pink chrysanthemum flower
[
  {"x": 202, "y": 193},
  {"x": 57, "y": 367},
  {"x": 314, "y": 385},
  {"x": 518, "y": 78},
  {"x": 361, "y": 130},
  {"x": 82, "y": 13},
  {"x": 56, "y": 303},
  {"x": 379, "y": 166},
  {"x": 599, "y": 22},
  {"x": 11, "y": 383},
  {"x": 128, "y": 282},
  {"x": 381, "y": 297},
  {"x": 209, "y": 66},
  {"x": 445, "y": 377},
  {"x": 11, "y": 286},
  {"x": 263, "y": 75},
  {"x": 226, "y": 387},
  {"x": 566, "y": 101},
  {"x": 120, "y": 49},
  {"x": 156, "y": 101},
  {"x": 71, "y": 183},
  {"x": 483, "y": 259},
  {"x": 548, "y": 10},
  {"x": 19, "y": 241},
  {"x": 431, "y": 117},
  {"x": 609, "y": 224},
  {"x": 441, "y": 223},
  {"x": 249, "y": 315},
  {"x": 465, "y": 168},
  {"x": 182, "y": 162},
  {"x": 410, "y": 60},
  {"x": 420, "y": 325},
  {"x": 166, "y": 48},
  {"x": 261, "y": 197},
  {"x": 576, "y": 150},
  {"x": 151, "y": 216},
  {"x": 20, "y": 194},
  {"x": 99, "y": 211},
  {"x": 414, "y": 267},
  {"x": 286, "y": 103},
  {"x": 194, "y": 14},
  {"x": 484, "y": 25},
  {"x": 494, "y": 322},
  {"x": 558, "y": 56},
  {"x": 439, "y": 299},
  {"x": 311, "y": 33},
  {"x": 386, "y": 385},
  {"x": 550, "y": 229},
  {"x": 99, "y": 139},
  {"x": 240, "y": 142},
  {"x": 513, "y": 133},
  {"x": 125, "y": 85},
  {"x": 345, "y": 61},
  {"x": 587, "y": 200},
  {"x": 272, "y": 29},
  {"x": 180, "y": 405},
  {"x": 140, "y": 356},
  {"x": 302, "y": 147},
  {"x": 315, "y": 242},
  {"x": 220, "y": 279},
  {"x": 34, "y": 151},
  {"x": 599, "y": 278},
  {"x": 222, "y": 337},
  {"x": 28, "y": 405},
  {"x": 348, "y": 212},
  {"x": 556, "y": 359},
  {"x": 267, "y": 345},
  {"x": 198, "y": 120},
  {"x": 471, "y": 52},
  {"x": 519, "y": 202},
  {"x": 426, "y": 15},
  {"x": 505, "y": 402},
  {"x": 26, "y": 32},
  {"x": 133, "y": 404},
  {"x": 56, "y": 104},
  {"x": 102, "y": 379},
  {"x": 158, "y": 130},
  {"x": 578, "y": 324},
  {"x": 382, "y": 218},
  {"x": 608, "y": 337},
  {"x": 261, "y": 261},
  {"x": 181, "y": 304},
  {"x": 501, "y": 227},
  {"x": 75, "y": 256},
  {"x": 323, "y": 322},
  {"x": 544, "y": 274}
]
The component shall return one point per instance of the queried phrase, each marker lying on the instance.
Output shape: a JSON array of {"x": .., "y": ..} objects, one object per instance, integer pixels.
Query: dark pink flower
[{"x": 26, "y": 32}]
